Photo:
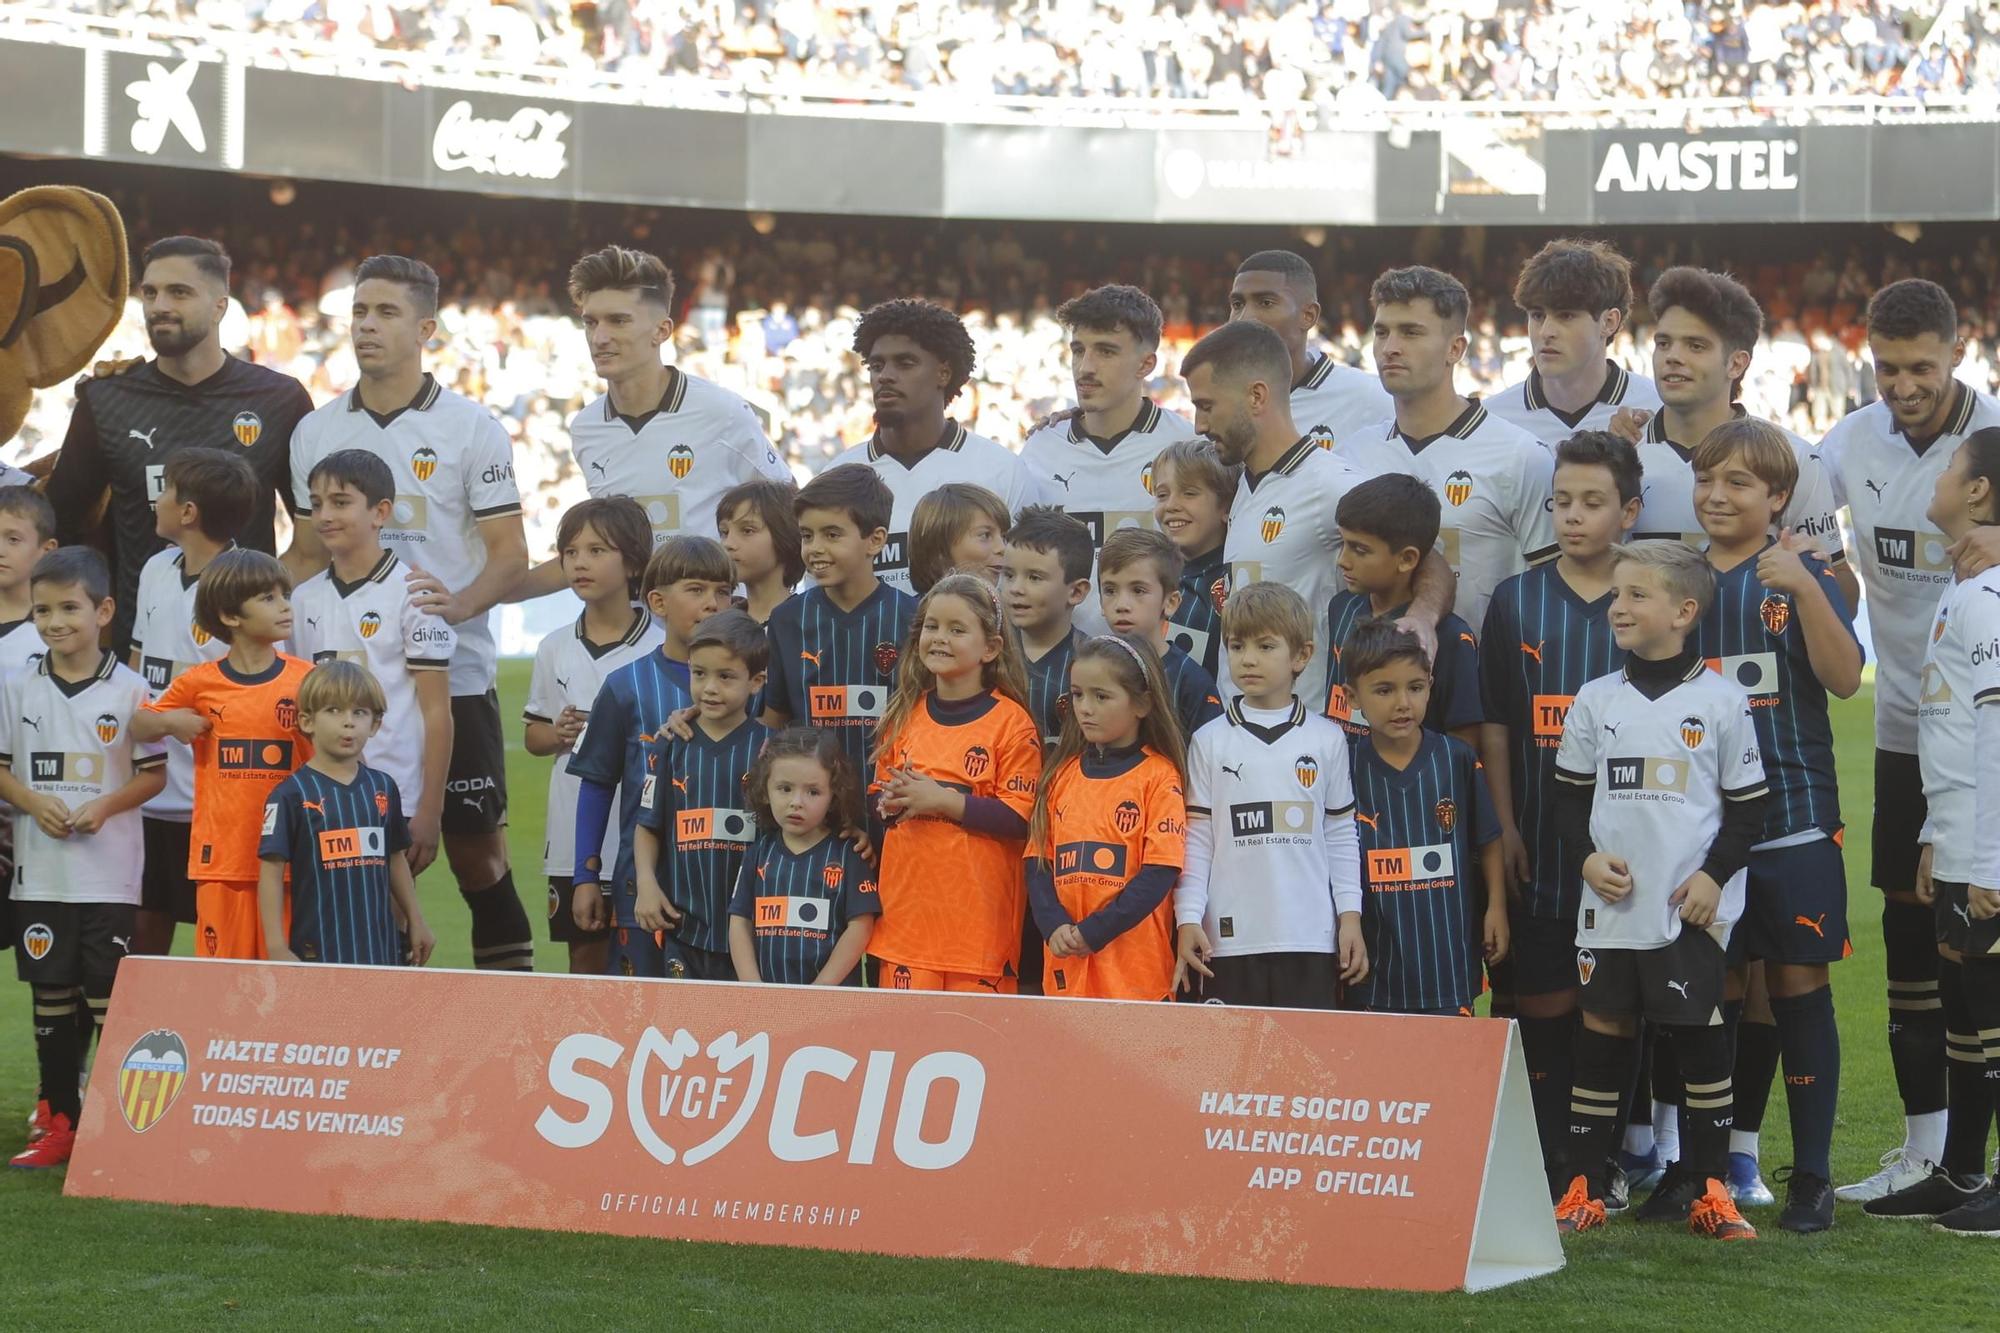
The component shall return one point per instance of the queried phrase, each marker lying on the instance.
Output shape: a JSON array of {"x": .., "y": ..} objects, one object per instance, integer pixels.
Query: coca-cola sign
[{"x": 528, "y": 143}]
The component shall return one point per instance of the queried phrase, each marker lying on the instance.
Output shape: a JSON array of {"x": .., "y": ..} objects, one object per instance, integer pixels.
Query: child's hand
[
  {"x": 1067, "y": 942},
  {"x": 184, "y": 724},
  {"x": 1514, "y": 857},
  {"x": 1353, "y": 950},
  {"x": 569, "y": 724},
  {"x": 88, "y": 818},
  {"x": 916, "y": 797},
  {"x": 1191, "y": 954},
  {"x": 1698, "y": 898},
  {"x": 1496, "y": 935},
  {"x": 863, "y": 845},
  {"x": 1926, "y": 891},
  {"x": 586, "y": 907},
  {"x": 424, "y": 836},
  {"x": 278, "y": 953},
  {"x": 422, "y": 941},
  {"x": 1782, "y": 568},
  {"x": 1608, "y": 876},
  {"x": 680, "y": 723},
  {"x": 1982, "y": 904},
  {"x": 51, "y": 815},
  {"x": 653, "y": 911}
]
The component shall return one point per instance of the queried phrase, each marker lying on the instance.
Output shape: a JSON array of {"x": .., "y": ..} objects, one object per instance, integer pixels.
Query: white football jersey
[
  {"x": 1523, "y": 406},
  {"x": 1494, "y": 484},
  {"x": 1103, "y": 484},
  {"x": 1666, "y": 506},
  {"x": 960, "y": 456},
  {"x": 568, "y": 669},
  {"x": 1266, "y": 784},
  {"x": 1335, "y": 401},
  {"x": 74, "y": 742},
  {"x": 1960, "y": 672},
  {"x": 1662, "y": 769},
  {"x": 454, "y": 469},
  {"x": 701, "y": 441},
  {"x": 1886, "y": 486},
  {"x": 1281, "y": 530},
  {"x": 20, "y": 646},
  {"x": 168, "y": 644},
  {"x": 372, "y": 623}
]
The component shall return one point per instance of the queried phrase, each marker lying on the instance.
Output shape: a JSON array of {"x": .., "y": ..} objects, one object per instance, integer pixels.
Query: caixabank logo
[
  {"x": 685, "y": 1103},
  {"x": 151, "y": 1077}
]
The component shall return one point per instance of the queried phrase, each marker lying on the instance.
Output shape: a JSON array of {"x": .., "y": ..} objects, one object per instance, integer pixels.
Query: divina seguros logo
[
  {"x": 528, "y": 143},
  {"x": 681, "y": 1107}
]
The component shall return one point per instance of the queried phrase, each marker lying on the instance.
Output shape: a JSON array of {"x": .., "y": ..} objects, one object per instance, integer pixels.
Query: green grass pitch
[{"x": 88, "y": 1264}]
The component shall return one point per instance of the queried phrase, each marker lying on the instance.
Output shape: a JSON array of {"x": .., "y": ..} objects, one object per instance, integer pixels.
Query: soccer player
[
  {"x": 205, "y": 498},
  {"x": 1494, "y": 478},
  {"x": 1096, "y": 464},
  {"x": 1577, "y": 295},
  {"x": 1329, "y": 401},
  {"x": 456, "y": 521},
  {"x": 1662, "y": 795},
  {"x": 75, "y": 775},
  {"x": 759, "y": 529},
  {"x": 1044, "y": 577},
  {"x": 1884, "y": 462},
  {"x": 342, "y": 611},
  {"x": 240, "y": 715},
  {"x": 1547, "y": 633},
  {"x": 1269, "y": 904},
  {"x": 959, "y": 526},
  {"x": 695, "y": 826},
  {"x": 337, "y": 826},
  {"x": 918, "y": 358},
  {"x": 604, "y": 545},
  {"x": 1387, "y": 524},
  {"x": 191, "y": 395},
  {"x": 1192, "y": 491},
  {"x": 1779, "y": 627},
  {"x": 1433, "y": 900},
  {"x": 1115, "y": 790},
  {"x": 835, "y": 646},
  {"x": 1138, "y": 582}
]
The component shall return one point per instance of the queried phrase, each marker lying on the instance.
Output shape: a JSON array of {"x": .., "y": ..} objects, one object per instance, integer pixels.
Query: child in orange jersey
[
  {"x": 1110, "y": 830},
  {"x": 957, "y": 759}
]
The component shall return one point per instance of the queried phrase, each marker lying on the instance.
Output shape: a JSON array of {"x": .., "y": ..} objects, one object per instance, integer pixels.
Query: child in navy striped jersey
[
  {"x": 1192, "y": 491},
  {"x": 805, "y": 902},
  {"x": 1138, "y": 584},
  {"x": 1044, "y": 577}
]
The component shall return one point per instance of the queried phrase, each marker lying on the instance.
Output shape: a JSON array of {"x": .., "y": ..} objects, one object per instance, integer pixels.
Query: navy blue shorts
[{"x": 1795, "y": 906}]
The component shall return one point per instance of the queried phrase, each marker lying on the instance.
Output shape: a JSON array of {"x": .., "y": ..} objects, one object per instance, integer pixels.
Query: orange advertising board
[{"x": 1338, "y": 1149}]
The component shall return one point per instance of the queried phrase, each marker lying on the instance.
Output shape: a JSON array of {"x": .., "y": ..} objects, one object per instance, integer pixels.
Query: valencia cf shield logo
[
  {"x": 555, "y": 902},
  {"x": 107, "y": 728},
  {"x": 201, "y": 636},
  {"x": 1446, "y": 813},
  {"x": 1586, "y": 965},
  {"x": 424, "y": 462},
  {"x": 151, "y": 1077},
  {"x": 1126, "y": 816},
  {"x": 1458, "y": 487},
  {"x": 247, "y": 426},
  {"x": 1146, "y": 479},
  {"x": 1274, "y": 523},
  {"x": 37, "y": 940},
  {"x": 382, "y": 804},
  {"x": 1692, "y": 730},
  {"x": 288, "y": 713},
  {"x": 370, "y": 623},
  {"x": 886, "y": 656},
  {"x": 977, "y": 761},
  {"x": 680, "y": 461},
  {"x": 1321, "y": 436},
  {"x": 210, "y": 943},
  {"x": 1062, "y": 704},
  {"x": 831, "y": 876},
  {"x": 1218, "y": 593},
  {"x": 1776, "y": 613},
  {"x": 1306, "y": 769}
]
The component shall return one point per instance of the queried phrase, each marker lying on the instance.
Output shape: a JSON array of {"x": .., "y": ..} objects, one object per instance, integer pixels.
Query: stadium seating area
[{"x": 1336, "y": 53}]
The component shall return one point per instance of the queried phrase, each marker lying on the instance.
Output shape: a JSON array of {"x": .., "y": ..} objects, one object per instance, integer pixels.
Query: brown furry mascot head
[{"x": 64, "y": 279}]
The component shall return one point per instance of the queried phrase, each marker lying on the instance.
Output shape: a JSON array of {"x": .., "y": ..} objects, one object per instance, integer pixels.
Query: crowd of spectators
[{"x": 1337, "y": 54}]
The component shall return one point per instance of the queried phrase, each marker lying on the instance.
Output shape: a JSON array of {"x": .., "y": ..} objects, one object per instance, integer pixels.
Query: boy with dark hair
[
  {"x": 75, "y": 775},
  {"x": 695, "y": 820},
  {"x": 1138, "y": 582},
  {"x": 1387, "y": 523},
  {"x": 1044, "y": 577},
  {"x": 205, "y": 498},
  {"x": 240, "y": 715},
  {"x": 1577, "y": 295},
  {"x": 1192, "y": 491},
  {"x": 1662, "y": 795}
]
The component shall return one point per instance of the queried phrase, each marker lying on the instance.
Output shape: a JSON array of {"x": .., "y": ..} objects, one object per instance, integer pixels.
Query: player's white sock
[
  {"x": 1638, "y": 1139},
  {"x": 1743, "y": 1141},
  {"x": 1923, "y": 1136},
  {"x": 1667, "y": 1130}
]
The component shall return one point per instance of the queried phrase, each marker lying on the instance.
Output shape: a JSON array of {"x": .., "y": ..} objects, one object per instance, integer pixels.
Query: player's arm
[
  {"x": 434, "y": 705},
  {"x": 79, "y": 476},
  {"x": 271, "y": 908},
  {"x": 1342, "y": 840},
  {"x": 1606, "y": 874},
  {"x": 1434, "y": 589},
  {"x": 651, "y": 835},
  {"x": 506, "y": 541},
  {"x": 1493, "y": 870},
  {"x": 597, "y": 765},
  {"x": 172, "y": 714},
  {"x": 1500, "y": 697},
  {"x": 853, "y": 941},
  {"x": 780, "y": 707},
  {"x": 1534, "y": 508},
  {"x": 543, "y": 579},
  {"x": 1192, "y": 947},
  {"x": 743, "y": 948},
  {"x": 1983, "y": 884},
  {"x": 403, "y": 893},
  {"x": 539, "y": 738},
  {"x": 542, "y": 736}
]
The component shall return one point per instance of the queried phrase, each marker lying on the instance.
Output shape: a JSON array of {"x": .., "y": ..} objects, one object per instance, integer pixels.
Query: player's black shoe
[
  {"x": 1935, "y": 1195},
  {"x": 1808, "y": 1201},
  {"x": 1674, "y": 1198},
  {"x": 1978, "y": 1216}
]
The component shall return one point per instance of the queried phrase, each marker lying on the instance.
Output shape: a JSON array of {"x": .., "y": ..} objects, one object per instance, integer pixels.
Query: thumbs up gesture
[{"x": 1782, "y": 567}]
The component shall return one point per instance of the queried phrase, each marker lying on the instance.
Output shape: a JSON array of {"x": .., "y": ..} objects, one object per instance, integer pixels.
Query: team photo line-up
[{"x": 1351, "y": 692}]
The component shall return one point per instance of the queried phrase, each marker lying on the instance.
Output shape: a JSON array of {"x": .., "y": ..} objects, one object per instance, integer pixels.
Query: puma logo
[
  {"x": 313, "y": 806},
  {"x": 1990, "y": 592},
  {"x": 1817, "y": 925},
  {"x": 1611, "y": 730},
  {"x": 145, "y": 436},
  {"x": 1234, "y": 771},
  {"x": 1876, "y": 488},
  {"x": 597, "y": 467},
  {"x": 805, "y": 656},
  {"x": 1963, "y": 915},
  {"x": 680, "y": 785},
  {"x": 1534, "y": 652},
  {"x": 1363, "y": 817},
  {"x": 312, "y": 622},
  {"x": 34, "y": 722},
  {"x": 476, "y": 802},
  {"x": 1057, "y": 476},
  {"x": 1679, "y": 987},
  {"x": 561, "y": 684}
]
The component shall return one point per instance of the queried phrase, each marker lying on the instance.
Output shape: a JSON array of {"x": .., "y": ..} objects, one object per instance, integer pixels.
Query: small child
[
  {"x": 1387, "y": 523},
  {"x": 338, "y": 825},
  {"x": 694, "y": 827},
  {"x": 760, "y": 531},
  {"x": 1426, "y": 819},
  {"x": 240, "y": 715},
  {"x": 205, "y": 499},
  {"x": 687, "y": 580},
  {"x": 27, "y": 533},
  {"x": 958, "y": 526},
  {"x": 1192, "y": 491},
  {"x": 1110, "y": 830},
  {"x": 955, "y": 772},
  {"x": 1269, "y": 907},
  {"x": 75, "y": 774},
  {"x": 1138, "y": 581},
  {"x": 1662, "y": 795},
  {"x": 604, "y": 545},
  {"x": 805, "y": 901},
  {"x": 1044, "y": 577}
]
